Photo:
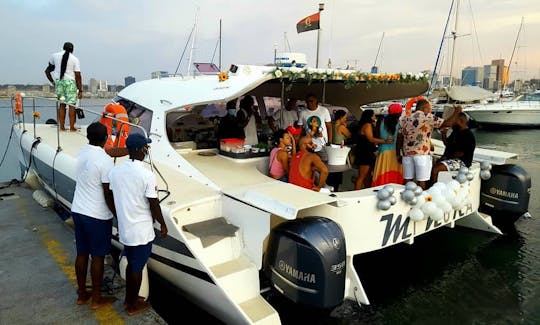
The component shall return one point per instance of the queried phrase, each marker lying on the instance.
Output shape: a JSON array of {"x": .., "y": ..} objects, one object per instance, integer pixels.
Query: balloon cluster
[
  {"x": 439, "y": 199},
  {"x": 485, "y": 170},
  {"x": 386, "y": 198},
  {"x": 464, "y": 175}
]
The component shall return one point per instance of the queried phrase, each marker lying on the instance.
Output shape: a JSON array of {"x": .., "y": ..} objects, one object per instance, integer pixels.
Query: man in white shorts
[{"x": 414, "y": 141}]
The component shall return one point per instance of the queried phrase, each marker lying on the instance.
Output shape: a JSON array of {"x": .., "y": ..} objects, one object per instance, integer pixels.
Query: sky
[{"x": 118, "y": 38}]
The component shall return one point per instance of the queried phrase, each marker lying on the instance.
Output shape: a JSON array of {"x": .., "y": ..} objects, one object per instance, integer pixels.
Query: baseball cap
[
  {"x": 293, "y": 130},
  {"x": 395, "y": 108},
  {"x": 136, "y": 141}
]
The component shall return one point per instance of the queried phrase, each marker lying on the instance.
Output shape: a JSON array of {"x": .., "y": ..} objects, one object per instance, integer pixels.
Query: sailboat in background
[{"x": 453, "y": 93}]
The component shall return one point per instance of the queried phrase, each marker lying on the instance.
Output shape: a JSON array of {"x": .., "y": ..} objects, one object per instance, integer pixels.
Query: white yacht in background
[{"x": 522, "y": 111}]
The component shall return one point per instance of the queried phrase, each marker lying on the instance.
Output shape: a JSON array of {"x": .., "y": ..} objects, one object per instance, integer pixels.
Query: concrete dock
[{"x": 37, "y": 274}]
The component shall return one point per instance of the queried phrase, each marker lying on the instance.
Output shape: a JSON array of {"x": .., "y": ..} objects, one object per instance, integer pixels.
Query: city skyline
[{"x": 114, "y": 39}]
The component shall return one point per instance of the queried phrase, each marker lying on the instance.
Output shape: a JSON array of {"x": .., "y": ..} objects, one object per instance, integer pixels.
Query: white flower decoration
[{"x": 278, "y": 73}]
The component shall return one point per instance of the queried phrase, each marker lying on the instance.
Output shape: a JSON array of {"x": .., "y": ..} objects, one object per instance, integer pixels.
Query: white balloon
[
  {"x": 434, "y": 191},
  {"x": 416, "y": 214},
  {"x": 384, "y": 205},
  {"x": 437, "y": 215},
  {"x": 440, "y": 186},
  {"x": 383, "y": 194},
  {"x": 389, "y": 188},
  {"x": 485, "y": 165},
  {"x": 438, "y": 199},
  {"x": 421, "y": 199},
  {"x": 446, "y": 206},
  {"x": 453, "y": 185},
  {"x": 429, "y": 208}
]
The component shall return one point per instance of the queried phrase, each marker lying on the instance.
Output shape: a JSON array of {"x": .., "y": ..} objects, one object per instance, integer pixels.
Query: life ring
[
  {"x": 120, "y": 122},
  {"x": 18, "y": 107},
  {"x": 411, "y": 102}
]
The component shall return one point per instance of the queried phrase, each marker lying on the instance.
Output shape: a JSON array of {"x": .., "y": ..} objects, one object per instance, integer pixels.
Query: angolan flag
[{"x": 309, "y": 23}]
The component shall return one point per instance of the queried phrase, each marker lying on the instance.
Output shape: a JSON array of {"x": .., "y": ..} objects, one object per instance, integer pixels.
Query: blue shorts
[
  {"x": 92, "y": 236},
  {"x": 137, "y": 256}
]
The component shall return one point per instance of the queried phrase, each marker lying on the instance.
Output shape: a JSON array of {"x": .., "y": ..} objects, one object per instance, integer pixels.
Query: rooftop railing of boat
[{"x": 20, "y": 118}]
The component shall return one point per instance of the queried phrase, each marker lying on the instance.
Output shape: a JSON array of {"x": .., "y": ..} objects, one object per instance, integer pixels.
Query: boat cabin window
[
  {"x": 197, "y": 126},
  {"x": 137, "y": 114}
]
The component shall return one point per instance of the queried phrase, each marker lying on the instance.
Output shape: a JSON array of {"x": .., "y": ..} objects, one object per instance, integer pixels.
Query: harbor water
[{"x": 449, "y": 276}]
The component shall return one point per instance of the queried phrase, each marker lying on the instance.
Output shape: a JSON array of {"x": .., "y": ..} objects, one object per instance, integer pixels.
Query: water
[{"x": 449, "y": 276}]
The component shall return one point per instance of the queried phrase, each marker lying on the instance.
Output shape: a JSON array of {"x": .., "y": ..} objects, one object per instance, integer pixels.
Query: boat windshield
[{"x": 529, "y": 97}]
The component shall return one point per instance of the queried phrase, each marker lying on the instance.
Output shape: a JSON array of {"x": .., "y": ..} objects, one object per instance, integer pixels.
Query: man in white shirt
[
  {"x": 314, "y": 113},
  {"x": 67, "y": 81},
  {"x": 91, "y": 212},
  {"x": 136, "y": 202},
  {"x": 284, "y": 118}
]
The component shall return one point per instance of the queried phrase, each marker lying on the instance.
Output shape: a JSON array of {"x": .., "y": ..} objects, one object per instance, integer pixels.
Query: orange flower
[
  {"x": 223, "y": 76},
  {"x": 36, "y": 114}
]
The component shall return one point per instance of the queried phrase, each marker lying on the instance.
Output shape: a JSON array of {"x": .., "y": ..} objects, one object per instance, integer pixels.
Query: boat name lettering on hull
[
  {"x": 298, "y": 275},
  {"x": 395, "y": 228},
  {"x": 448, "y": 216}
]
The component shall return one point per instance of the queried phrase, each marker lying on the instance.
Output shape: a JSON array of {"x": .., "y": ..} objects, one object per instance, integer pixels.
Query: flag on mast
[{"x": 309, "y": 23}]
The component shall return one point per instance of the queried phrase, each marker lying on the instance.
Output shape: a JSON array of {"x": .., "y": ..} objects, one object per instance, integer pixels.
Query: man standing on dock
[
  {"x": 137, "y": 206},
  {"x": 67, "y": 82},
  {"x": 91, "y": 212}
]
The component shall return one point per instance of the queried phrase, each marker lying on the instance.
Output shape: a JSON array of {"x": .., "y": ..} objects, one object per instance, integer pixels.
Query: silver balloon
[
  {"x": 461, "y": 178},
  {"x": 384, "y": 205},
  {"x": 410, "y": 186},
  {"x": 383, "y": 194},
  {"x": 389, "y": 188},
  {"x": 470, "y": 176},
  {"x": 418, "y": 190},
  {"x": 485, "y": 174},
  {"x": 413, "y": 201},
  {"x": 463, "y": 170},
  {"x": 392, "y": 200},
  {"x": 407, "y": 195},
  {"x": 485, "y": 165}
]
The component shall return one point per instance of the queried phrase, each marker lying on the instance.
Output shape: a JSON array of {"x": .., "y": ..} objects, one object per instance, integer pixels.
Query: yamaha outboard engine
[
  {"x": 305, "y": 261},
  {"x": 505, "y": 196}
]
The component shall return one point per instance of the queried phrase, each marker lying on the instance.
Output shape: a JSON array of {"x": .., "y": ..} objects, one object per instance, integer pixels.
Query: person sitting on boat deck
[
  {"x": 340, "y": 132},
  {"x": 229, "y": 126},
  {"x": 137, "y": 206},
  {"x": 295, "y": 133},
  {"x": 284, "y": 118},
  {"x": 67, "y": 81},
  {"x": 366, "y": 145},
  {"x": 387, "y": 167},
  {"x": 322, "y": 116},
  {"x": 304, "y": 164},
  {"x": 459, "y": 148},
  {"x": 280, "y": 155},
  {"x": 91, "y": 212},
  {"x": 414, "y": 141},
  {"x": 249, "y": 119}
]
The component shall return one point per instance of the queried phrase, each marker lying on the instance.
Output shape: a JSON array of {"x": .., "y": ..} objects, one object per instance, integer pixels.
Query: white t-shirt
[
  {"x": 132, "y": 184},
  {"x": 250, "y": 130},
  {"x": 93, "y": 166},
  {"x": 323, "y": 116},
  {"x": 72, "y": 65}
]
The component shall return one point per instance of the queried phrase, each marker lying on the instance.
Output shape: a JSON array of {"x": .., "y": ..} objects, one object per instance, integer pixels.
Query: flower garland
[{"x": 351, "y": 78}]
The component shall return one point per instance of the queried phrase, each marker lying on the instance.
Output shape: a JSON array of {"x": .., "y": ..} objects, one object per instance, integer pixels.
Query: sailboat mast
[
  {"x": 219, "y": 44},
  {"x": 515, "y": 45},
  {"x": 378, "y": 50},
  {"x": 189, "y": 69},
  {"x": 454, "y": 36}
]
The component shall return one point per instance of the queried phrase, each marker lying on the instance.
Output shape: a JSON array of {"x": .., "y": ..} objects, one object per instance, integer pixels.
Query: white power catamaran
[{"x": 232, "y": 227}]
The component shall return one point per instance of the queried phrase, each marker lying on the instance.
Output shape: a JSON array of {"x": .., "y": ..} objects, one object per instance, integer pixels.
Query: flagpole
[{"x": 321, "y": 8}]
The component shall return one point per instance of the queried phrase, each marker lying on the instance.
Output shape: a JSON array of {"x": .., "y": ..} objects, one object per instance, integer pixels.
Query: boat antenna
[
  {"x": 184, "y": 51},
  {"x": 440, "y": 48},
  {"x": 378, "y": 50},
  {"x": 218, "y": 44},
  {"x": 512, "y": 56}
]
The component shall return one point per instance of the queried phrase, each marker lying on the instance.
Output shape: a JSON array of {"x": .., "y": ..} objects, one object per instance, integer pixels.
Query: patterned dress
[{"x": 387, "y": 168}]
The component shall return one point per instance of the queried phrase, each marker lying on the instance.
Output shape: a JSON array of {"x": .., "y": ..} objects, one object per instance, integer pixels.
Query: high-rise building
[
  {"x": 502, "y": 72},
  {"x": 472, "y": 76},
  {"x": 159, "y": 74},
  {"x": 129, "y": 80},
  {"x": 93, "y": 85},
  {"x": 102, "y": 85},
  {"x": 490, "y": 77}
]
